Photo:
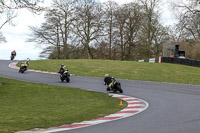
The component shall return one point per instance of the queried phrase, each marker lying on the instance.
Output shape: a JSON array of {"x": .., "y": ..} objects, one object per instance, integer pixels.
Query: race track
[{"x": 173, "y": 108}]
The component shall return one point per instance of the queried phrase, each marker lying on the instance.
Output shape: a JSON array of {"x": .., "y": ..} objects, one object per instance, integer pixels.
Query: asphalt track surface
[{"x": 173, "y": 108}]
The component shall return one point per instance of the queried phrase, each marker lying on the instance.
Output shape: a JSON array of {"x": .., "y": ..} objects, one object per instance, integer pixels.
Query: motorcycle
[
  {"x": 12, "y": 57},
  {"x": 116, "y": 86},
  {"x": 65, "y": 76},
  {"x": 23, "y": 67}
]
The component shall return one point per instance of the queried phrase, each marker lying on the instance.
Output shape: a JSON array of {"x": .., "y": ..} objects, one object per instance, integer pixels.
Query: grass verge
[
  {"x": 25, "y": 105},
  {"x": 124, "y": 70}
]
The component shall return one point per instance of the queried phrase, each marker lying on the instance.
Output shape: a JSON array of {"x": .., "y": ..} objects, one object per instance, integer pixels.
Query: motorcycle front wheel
[
  {"x": 119, "y": 89},
  {"x": 68, "y": 80}
]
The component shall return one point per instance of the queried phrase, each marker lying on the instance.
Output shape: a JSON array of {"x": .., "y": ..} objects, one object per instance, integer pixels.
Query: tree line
[
  {"x": 101, "y": 30},
  {"x": 86, "y": 29}
]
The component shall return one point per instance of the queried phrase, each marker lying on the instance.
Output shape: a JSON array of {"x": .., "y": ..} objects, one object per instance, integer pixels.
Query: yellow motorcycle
[{"x": 23, "y": 67}]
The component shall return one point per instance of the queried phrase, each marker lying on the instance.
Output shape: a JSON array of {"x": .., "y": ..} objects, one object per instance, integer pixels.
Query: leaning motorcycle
[
  {"x": 23, "y": 67},
  {"x": 116, "y": 86},
  {"x": 65, "y": 76},
  {"x": 12, "y": 57}
]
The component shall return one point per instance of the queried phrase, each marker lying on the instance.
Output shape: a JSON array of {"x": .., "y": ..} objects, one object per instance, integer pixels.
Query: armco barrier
[{"x": 189, "y": 62}]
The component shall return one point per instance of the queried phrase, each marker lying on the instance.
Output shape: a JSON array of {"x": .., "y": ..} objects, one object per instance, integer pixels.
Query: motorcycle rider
[
  {"x": 25, "y": 63},
  {"x": 13, "y": 53},
  {"x": 63, "y": 68},
  {"x": 108, "y": 81}
]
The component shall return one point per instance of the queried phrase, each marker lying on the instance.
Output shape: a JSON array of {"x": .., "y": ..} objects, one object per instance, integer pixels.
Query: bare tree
[
  {"x": 121, "y": 17},
  {"x": 47, "y": 37},
  {"x": 110, "y": 24},
  {"x": 55, "y": 32},
  {"x": 133, "y": 25},
  {"x": 48, "y": 34},
  {"x": 2, "y": 38},
  {"x": 192, "y": 6},
  {"x": 8, "y": 5},
  {"x": 66, "y": 18},
  {"x": 189, "y": 20},
  {"x": 162, "y": 37},
  {"x": 8, "y": 10},
  {"x": 89, "y": 25},
  {"x": 149, "y": 27}
]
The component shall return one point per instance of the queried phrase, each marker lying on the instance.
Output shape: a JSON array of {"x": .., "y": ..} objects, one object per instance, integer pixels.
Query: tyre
[
  {"x": 114, "y": 90},
  {"x": 22, "y": 71},
  {"x": 108, "y": 89},
  {"x": 68, "y": 80},
  {"x": 120, "y": 90},
  {"x": 61, "y": 79}
]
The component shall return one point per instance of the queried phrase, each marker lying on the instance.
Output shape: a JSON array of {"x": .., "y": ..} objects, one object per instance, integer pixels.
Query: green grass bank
[
  {"x": 164, "y": 72},
  {"x": 25, "y": 105}
]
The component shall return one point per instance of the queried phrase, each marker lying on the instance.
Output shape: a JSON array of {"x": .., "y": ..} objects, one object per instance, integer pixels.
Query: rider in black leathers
[
  {"x": 63, "y": 68},
  {"x": 13, "y": 54},
  {"x": 108, "y": 81}
]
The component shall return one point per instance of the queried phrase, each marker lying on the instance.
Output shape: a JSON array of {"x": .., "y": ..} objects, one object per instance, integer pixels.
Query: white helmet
[
  {"x": 106, "y": 75},
  {"x": 27, "y": 59}
]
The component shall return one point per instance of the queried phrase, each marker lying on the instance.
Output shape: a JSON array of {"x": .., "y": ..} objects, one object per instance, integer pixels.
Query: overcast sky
[{"x": 16, "y": 36}]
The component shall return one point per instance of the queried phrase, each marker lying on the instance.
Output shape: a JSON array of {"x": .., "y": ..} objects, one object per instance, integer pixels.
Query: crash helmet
[
  {"x": 106, "y": 75},
  {"x": 13, "y": 51},
  {"x": 62, "y": 65}
]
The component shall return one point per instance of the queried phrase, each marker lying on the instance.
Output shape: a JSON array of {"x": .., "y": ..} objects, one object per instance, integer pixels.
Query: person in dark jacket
[
  {"x": 27, "y": 61},
  {"x": 13, "y": 54},
  {"x": 108, "y": 81},
  {"x": 63, "y": 68},
  {"x": 24, "y": 64}
]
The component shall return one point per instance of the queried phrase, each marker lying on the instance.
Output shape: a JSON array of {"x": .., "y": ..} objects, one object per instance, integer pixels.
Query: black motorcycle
[
  {"x": 116, "y": 86},
  {"x": 12, "y": 57},
  {"x": 23, "y": 67},
  {"x": 65, "y": 76}
]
